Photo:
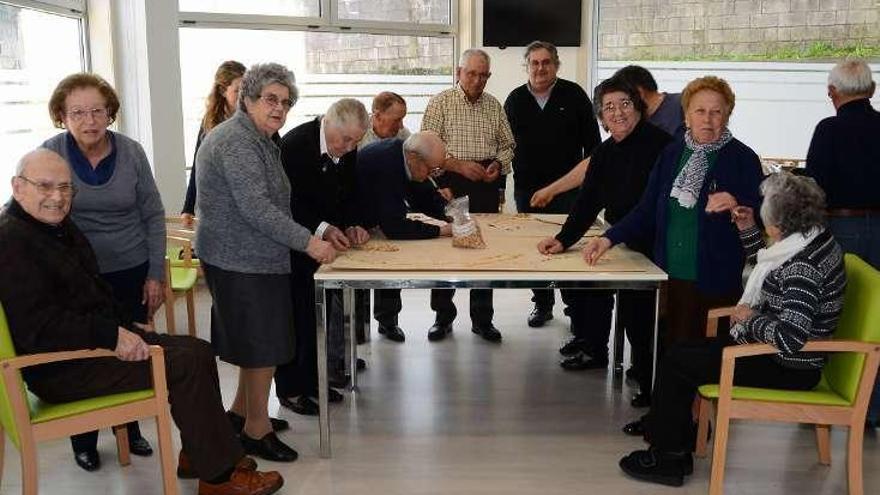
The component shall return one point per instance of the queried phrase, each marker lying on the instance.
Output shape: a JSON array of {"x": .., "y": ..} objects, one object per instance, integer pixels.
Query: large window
[
  {"x": 30, "y": 67},
  {"x": 775, "y": 54},
  {"x": 359, "y": 62}
]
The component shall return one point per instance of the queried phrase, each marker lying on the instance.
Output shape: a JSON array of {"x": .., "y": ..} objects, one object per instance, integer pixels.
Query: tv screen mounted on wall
[{"x": 519, "y": 22}]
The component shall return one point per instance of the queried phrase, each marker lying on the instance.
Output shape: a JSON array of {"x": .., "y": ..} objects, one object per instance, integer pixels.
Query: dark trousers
[
  {"x": 300, "y": 376},
  {"x": 193, "y": 392},
  {"x": 635, "y": 313},
  {"x": 386, "y": 306},
  {"x": 590, "y": 314},
  {"x": 687, "y": 309},
  {"x": 128, "y": 289},
  {"x": 670, "y": 424},
  {"x": 861, "y": 236},
  {"x": 543, "y": 298}
]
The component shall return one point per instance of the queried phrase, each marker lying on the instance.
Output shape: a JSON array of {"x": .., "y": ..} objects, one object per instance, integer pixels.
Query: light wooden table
[{"x": 511, "y": 261}]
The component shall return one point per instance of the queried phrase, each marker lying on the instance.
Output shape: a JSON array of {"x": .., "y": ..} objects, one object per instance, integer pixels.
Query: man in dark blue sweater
[
  {"x": 844, "y": 158},
  {"x": 392, "y": 181},
  {"x": 554, "y": 128}
]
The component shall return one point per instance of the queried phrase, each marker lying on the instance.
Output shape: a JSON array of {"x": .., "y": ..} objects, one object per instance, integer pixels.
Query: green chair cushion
[
  {"x": 178, "y": 263},
  {"x": 43, "y": 411},
  {"x": 183, "y": 278},
  {"x": 822, "y": 395}
]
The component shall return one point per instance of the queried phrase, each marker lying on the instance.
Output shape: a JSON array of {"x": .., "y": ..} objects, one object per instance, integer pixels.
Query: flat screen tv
[{"x": 519, "y": 22}]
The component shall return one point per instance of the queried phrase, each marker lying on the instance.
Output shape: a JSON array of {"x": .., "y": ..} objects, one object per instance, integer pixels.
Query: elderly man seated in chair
[
  {"x": 793, "y": 295},
  {"x": 55, "y": 301}
]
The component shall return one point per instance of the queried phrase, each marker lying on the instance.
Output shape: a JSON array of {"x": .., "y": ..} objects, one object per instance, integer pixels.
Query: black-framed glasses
[
  {"x": 274, "y": 101},
  {"x": 80, "y": 114},
  {"x": 66, "y": 189}
]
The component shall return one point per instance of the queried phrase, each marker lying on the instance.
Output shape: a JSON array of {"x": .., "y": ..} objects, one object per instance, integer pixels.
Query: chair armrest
[
  {"x": 19, "y": 362},
  {"x": 731, "y": 353},
  {"x": 712, "y": 319}
]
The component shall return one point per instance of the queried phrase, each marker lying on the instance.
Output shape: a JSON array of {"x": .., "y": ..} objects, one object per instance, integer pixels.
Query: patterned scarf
[{"x": 687, "y": 186}]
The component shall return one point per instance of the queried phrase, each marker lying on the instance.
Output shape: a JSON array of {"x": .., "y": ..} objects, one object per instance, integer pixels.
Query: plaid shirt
[{"x": 472, "y": 131}]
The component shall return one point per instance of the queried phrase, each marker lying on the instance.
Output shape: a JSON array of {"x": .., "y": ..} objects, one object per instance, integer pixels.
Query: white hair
[
  {"x": 422, "y": 143},
  {"x": 851, "y": 77},
  {"x": 347, "y": 112},
  {"x": 473, "y": 52}
]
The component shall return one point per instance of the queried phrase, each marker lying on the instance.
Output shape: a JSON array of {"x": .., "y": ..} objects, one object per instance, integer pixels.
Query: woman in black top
[
  {"x": 618, "y": 172},
  {"x": 220, "y": 106}
]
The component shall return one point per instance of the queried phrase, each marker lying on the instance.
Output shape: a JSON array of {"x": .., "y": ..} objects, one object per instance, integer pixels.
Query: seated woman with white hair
[{"x": 793, "y": 295}]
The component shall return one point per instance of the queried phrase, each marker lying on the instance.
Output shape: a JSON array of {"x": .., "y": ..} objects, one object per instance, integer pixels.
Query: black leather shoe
[
  {"x": 655, "y": 466},
  {"x": 635, "y": 429},
  {"x": 361, "y": 365},
  {"x": 539, "y": 316},
  {"x": 301, "y": 405},
  {"x": 640, "y": 400},
  {"x": 573, "y": 347},
  {"x": 394, "y": 333},
  {"x": 583, "y": 361},
  {"x": 488, "y": 332},
  {"x": 237, "y": 422},
  {"x": 88, "y": 460},
  {"x": 439, "y": 331},
  {"x": 269, "y": 447},
  {"x": 140, "y": 447}
]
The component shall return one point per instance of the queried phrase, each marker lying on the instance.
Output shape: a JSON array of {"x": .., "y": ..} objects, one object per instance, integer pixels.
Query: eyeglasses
[
  {"x": 541, "y": 63},
  {"x": 274, "y": 101},
  {"x": 79, "y": 114},
  {"x": 624, "y": 106},
  {"x": 67, "y": 189}
]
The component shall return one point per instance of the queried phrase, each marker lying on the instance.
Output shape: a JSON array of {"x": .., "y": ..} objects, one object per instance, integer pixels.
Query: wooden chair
[
  {"x": 179, "y": 280},
  {"x": 27, "y": 420},
  {"x": 841, "y": 398}
]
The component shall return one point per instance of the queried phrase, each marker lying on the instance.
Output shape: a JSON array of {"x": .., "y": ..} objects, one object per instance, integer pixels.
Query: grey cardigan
[
  {"x": 123, "y": 219},
  {"x": 245, "y": 224}
]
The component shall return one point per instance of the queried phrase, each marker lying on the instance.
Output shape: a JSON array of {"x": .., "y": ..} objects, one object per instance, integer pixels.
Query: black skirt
[{"x": 251, "y": 317}]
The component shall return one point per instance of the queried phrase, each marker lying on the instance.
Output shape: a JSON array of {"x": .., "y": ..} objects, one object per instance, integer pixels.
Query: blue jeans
[{"x": 861, "y": 236}]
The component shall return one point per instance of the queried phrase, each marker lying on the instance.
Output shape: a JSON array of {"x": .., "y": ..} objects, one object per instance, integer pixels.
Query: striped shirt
[
  {"x": 801, "y": 300},
  {"x": 472, "y": 131}
]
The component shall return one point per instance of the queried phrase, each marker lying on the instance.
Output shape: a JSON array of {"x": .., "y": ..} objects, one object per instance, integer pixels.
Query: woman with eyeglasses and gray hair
[
  {"x": 244, "y": 239},
  {"x": 793, "y": 295},
  {"x": 117, "y": 207}
]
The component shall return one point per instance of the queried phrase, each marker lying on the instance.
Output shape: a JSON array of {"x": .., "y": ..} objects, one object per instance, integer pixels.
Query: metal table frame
[{"x": 351, "y": 280}]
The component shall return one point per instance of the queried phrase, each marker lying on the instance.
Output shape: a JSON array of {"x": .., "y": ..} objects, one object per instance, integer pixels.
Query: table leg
[
  {"x": 351, "y": 302},
  {"x": 322, "y": 313},
  {"x": 618, "y": 336},
  {"x": 656, "y": 335}
]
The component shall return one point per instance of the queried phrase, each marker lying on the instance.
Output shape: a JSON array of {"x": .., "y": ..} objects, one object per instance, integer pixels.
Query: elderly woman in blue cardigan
[{"x": 686, "y": 209}]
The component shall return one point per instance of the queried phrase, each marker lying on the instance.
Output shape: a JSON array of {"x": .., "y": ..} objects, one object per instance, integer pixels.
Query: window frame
[
  {"x": 327, "y": 21},
  {"x": 72, "y": 9}
]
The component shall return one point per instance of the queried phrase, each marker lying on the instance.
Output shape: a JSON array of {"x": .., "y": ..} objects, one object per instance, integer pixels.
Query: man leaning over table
[
  {"x": 392, "y": 180},
  {"x": 480, "y": 149}
]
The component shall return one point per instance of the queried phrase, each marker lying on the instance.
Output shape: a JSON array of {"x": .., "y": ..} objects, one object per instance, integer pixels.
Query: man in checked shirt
[{"x": 480, "y": 145}]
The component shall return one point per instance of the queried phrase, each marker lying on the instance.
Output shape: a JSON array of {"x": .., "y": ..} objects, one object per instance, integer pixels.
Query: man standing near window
[
  {"x": 480, "y": 148},
  {"x": 386, "y": 119},
  {"x": 554, "y": 127}
]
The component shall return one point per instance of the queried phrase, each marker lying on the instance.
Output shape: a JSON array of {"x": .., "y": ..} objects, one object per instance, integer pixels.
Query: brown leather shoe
[
  {"x": 243, "y": 482},
  {"x": 185, "y": 469}
]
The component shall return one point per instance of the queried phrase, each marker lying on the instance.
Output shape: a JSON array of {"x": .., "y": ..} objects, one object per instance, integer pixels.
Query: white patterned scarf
[
  {"x": 769, "y": 259},
  {"x": 686, "y": 187}
]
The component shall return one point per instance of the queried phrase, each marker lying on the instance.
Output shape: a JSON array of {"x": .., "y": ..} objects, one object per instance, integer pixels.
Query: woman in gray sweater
[
  {"x": 244, "y": 239},
  {"x": 118, "y": 208}
]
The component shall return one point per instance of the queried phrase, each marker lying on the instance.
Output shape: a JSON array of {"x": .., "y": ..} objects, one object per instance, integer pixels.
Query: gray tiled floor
[{"x": 467, "y": 417}]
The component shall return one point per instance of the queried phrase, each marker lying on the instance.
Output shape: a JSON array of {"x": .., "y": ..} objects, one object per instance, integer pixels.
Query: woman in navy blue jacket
[{"x": 686, "y": 208}]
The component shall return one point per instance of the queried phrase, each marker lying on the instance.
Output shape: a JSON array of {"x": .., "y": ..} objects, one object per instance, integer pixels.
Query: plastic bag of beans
[{"x": 465, "y": 229}]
